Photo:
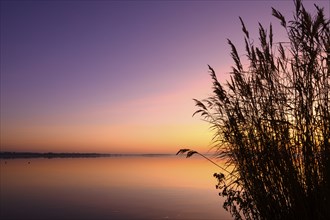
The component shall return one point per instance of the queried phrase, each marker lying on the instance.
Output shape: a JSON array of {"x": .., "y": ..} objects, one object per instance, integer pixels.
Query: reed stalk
[{"x": 272, "y": 122}]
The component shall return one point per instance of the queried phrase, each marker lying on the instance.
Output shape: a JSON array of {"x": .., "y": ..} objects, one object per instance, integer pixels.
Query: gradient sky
[{"x": 117, "y": 76}]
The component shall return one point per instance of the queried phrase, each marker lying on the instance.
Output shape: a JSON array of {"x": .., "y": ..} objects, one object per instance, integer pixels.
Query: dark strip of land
[{"x": 18, "y": 155}]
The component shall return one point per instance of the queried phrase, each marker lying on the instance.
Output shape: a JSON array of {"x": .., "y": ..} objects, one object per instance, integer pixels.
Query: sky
[{"x": 118, "y": 76}]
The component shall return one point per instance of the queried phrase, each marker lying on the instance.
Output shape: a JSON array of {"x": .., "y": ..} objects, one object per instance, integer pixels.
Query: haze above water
[{"x": 165, "y": 187}]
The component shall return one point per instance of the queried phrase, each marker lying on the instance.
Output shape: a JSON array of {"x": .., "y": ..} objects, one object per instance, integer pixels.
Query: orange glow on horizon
[
  {"x": 159, "y": 123},
  {"x": 116, "y": 139}
]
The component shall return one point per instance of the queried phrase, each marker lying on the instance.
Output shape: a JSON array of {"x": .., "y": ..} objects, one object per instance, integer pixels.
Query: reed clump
[{"x": 272, "y": 122}]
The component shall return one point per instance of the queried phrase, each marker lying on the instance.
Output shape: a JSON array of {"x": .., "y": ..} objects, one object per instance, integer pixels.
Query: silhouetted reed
[{"x": 272, "y": 122}]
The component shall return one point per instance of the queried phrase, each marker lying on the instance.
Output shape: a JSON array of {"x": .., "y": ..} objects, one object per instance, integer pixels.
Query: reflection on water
[{"x": 109, "y": 188}]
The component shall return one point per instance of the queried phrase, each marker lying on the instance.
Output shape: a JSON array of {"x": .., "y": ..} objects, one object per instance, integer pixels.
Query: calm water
[{"x": 109, "y": 188}]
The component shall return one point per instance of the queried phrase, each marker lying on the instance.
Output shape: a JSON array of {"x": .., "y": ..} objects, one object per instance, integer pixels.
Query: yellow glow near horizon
[
  {"x": 117, "y": 139},
  {"x": 160, "y": 123}
]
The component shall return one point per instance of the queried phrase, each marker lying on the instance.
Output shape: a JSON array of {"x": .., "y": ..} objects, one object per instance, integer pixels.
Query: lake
[{"x": 127, "y": 187}]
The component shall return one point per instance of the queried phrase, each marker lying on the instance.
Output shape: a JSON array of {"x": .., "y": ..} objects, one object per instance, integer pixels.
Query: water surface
[{"x": 109, "y": 188}]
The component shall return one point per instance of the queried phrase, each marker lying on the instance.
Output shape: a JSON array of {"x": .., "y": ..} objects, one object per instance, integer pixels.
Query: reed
[{"x": 272, "y": 122}]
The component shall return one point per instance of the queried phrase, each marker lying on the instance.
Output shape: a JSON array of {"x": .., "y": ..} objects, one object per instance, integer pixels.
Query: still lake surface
[{"x": 128, "y": 187}]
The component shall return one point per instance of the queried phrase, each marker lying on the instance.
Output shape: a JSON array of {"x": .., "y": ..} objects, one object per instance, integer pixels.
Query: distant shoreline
[{"x": 50, "y": 155}]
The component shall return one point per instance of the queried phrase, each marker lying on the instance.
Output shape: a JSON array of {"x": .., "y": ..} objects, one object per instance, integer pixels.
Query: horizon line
[{"x": 27, "y": 154}]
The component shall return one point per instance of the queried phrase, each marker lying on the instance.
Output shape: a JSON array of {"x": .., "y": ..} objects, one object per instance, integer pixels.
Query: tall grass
[{"x": 272, "y": 122}]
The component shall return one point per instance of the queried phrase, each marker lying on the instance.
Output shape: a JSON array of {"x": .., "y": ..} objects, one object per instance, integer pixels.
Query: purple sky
[{"x": 78, "y": 75}]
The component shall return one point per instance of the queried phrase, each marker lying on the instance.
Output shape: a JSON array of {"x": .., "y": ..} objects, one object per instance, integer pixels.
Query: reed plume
[{"x": 272, "y": 122}]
